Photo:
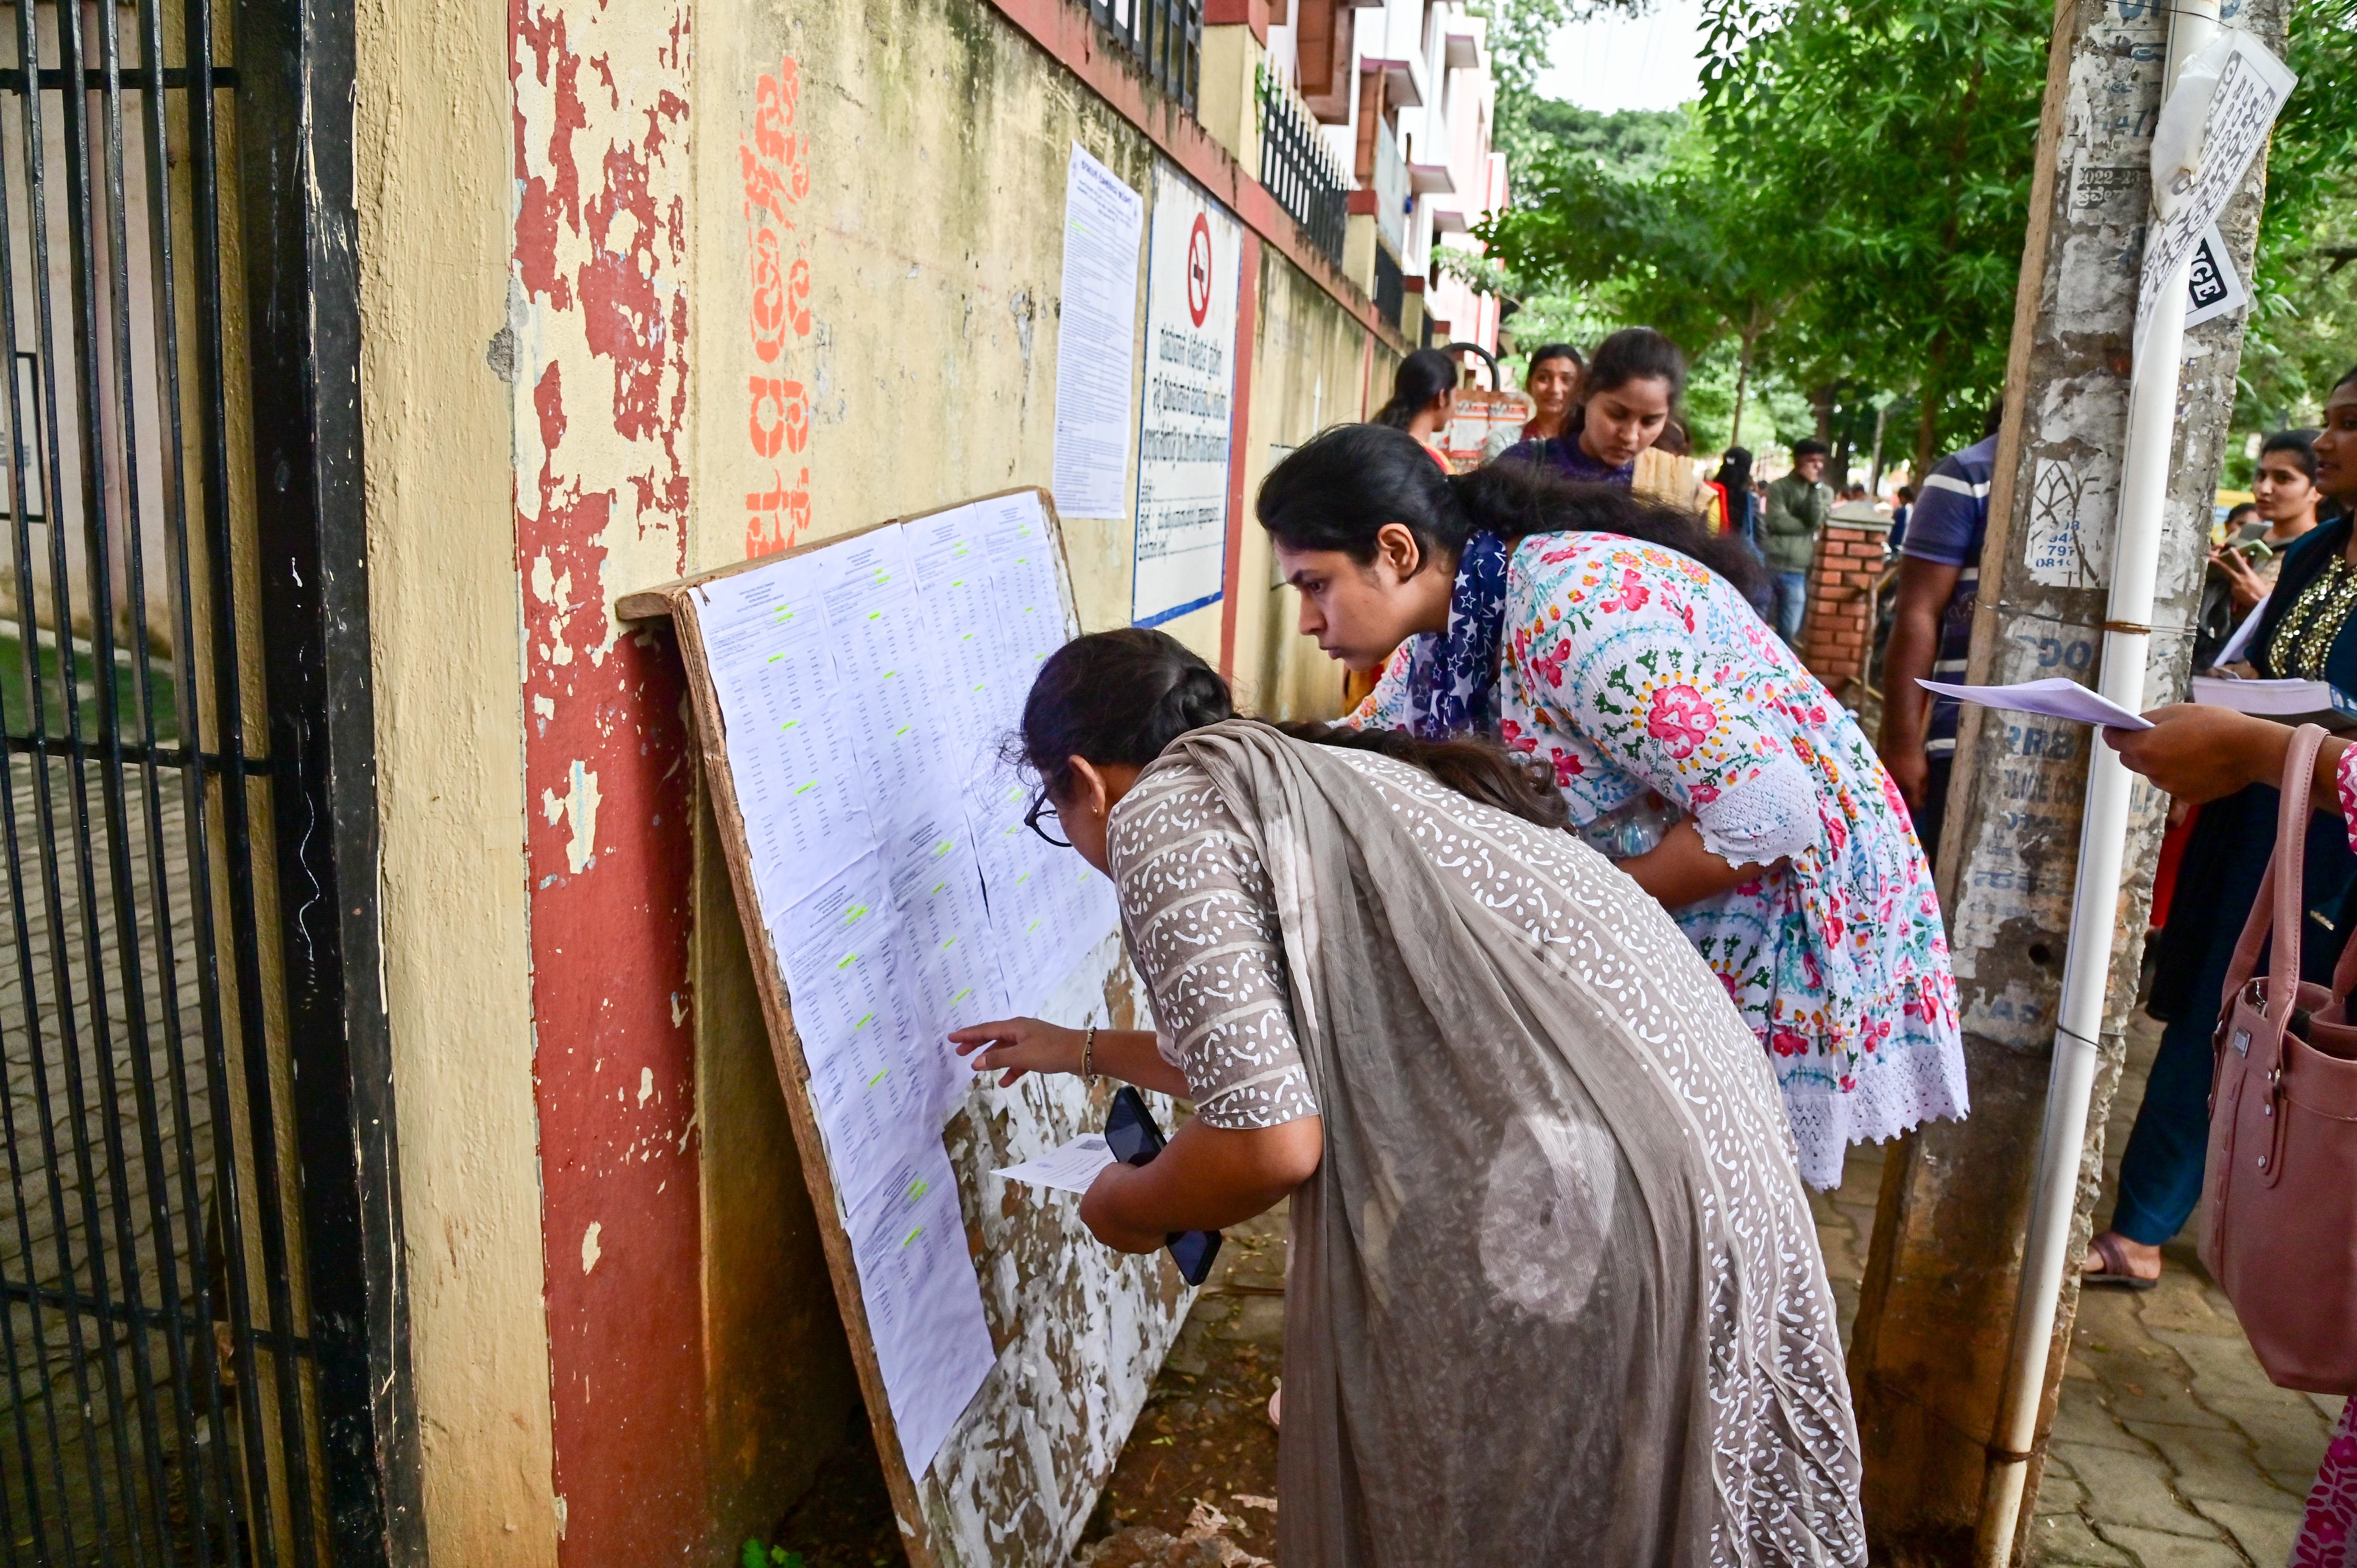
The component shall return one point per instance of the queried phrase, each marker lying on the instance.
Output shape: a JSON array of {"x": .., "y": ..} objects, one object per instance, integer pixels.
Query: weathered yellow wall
[
  {"x": 934, "y": 140},
  {"x": 1311, "y": 369},
  {"x": 434, "y": 134}
]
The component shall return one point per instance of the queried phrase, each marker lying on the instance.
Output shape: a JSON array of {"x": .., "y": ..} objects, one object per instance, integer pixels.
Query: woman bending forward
[
  {"x": 1611, "y": 639},
  {"x": 1555, "y": 1294}
]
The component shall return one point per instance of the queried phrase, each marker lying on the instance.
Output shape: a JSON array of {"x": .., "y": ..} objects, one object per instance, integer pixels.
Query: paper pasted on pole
[
  {"x": 2251, "y": 87},
  {"x": 1095, "y": 322},
  {"x": 1194, "y": 256}
]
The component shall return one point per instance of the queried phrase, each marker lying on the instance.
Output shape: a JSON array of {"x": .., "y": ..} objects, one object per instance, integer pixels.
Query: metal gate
[{"x": 201, "y": 1354}]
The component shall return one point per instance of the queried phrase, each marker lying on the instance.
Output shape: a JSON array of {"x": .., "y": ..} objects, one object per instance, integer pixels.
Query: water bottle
[{"x": 1631, "y": 828}]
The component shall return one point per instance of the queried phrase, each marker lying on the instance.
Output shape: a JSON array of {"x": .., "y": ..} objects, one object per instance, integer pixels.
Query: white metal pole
[{"x": 2094, "y": 909}]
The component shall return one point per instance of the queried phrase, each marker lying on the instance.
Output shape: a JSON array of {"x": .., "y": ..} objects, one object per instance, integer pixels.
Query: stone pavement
[{"x": 2170, "y": 1449}]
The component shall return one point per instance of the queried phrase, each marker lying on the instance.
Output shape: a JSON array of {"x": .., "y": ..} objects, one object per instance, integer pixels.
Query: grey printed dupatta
[{"x": 1555, "y": 1293}]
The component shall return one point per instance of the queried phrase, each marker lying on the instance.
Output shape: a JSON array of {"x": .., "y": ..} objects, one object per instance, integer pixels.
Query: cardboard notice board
[{"x": 851, "y": 699}]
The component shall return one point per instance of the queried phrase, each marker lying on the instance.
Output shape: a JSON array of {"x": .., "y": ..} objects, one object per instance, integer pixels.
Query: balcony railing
[
  {"x": 1167, "y": 36},
  {"x": 1300, "y": 171}
]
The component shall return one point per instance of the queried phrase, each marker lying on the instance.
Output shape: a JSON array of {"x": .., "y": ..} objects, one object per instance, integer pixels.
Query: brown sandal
[{"x": 2114, "y": 1274}]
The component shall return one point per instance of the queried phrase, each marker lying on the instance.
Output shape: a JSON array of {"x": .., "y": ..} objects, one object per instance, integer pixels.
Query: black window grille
[
  {"x": 193, "y": 1285},
  {"x": 1391, "y": 287},
  {"x": 1167, "y": 36},
  {"x": 1301, "y": 171}
]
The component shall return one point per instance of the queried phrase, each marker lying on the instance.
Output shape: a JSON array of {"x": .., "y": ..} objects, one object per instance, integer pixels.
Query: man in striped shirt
[{"x": 1931, "y": 628}]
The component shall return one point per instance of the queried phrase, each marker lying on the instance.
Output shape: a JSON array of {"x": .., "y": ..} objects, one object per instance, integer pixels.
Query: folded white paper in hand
[
  {"x": 1068, "y": 1169},
  {"x": 2056, "y": 697}
]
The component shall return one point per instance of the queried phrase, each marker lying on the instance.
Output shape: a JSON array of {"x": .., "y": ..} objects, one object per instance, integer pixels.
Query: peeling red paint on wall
[
  {"x": 776, "y": 167},
  {"x": 602, "y": 326}
]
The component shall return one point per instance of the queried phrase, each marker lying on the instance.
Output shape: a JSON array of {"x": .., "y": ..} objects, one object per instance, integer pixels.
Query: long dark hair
[
  {"x": 1119, "y": 698},
  {"x": 1735, "y": 473},
  {"x": 1422, "y": 376},
  {"x": 1632, "y": 354},
  {"x": 1336, "y": 491}
]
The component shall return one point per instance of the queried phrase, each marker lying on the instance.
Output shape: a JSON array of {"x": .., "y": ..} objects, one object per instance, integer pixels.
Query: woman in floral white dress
[{"x": 1612, "y": 638}]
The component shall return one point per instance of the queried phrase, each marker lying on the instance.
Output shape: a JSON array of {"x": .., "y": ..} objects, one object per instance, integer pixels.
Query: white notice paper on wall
[
  {"x": 1094, "y": 325},
  {"x": 1192, "y": 264},
  {"x": 2252, "y": 86},
  {"x": 923, "y": 1304},
  {"x": 863, "y": 687}
]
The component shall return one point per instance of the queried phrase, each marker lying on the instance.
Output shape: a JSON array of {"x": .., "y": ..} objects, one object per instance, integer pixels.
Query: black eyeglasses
[{"x": 1039, "y": 808}]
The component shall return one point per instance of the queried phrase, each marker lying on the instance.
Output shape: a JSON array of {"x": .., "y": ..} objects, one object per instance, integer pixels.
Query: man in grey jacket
[{"x": 1797, "y": 505}]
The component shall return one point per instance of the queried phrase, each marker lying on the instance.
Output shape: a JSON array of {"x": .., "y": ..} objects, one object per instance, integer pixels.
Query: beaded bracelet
[{"x": 1088, "y": 1055}]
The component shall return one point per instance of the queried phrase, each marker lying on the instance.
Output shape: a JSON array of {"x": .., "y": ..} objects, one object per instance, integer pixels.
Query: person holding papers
[
  {"x": 2308, "y": 630},
  {"x": 1613, "y": 638},
  {"x": 1555, "y": 1294}
]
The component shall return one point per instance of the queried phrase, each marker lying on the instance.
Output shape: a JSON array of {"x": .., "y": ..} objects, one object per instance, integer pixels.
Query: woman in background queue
[
  {"x": 1628, "y": 398},
  {"x": 2285, "y": 498},
  {"x": 1423, "y": 400},
  {"x": 1555, "y": 1294},
  {"x": 1553, "y": 383},
  {"x": 1614, "y": 639},
  {"x": 2306, "y": 632}
]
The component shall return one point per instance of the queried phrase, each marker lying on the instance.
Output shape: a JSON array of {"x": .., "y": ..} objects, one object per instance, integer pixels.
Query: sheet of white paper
[
  {"x": 870, "y": 1073},
  {"x": 2213, "y": 287},
  {"x": 937, "y": 893},
  {"x": 2251, "y": 91},
  {"x": 976, "y": 686},
  {"x": 2055, "y": 698},
  {"x": 791, "y": 746},
  {"x": 1068, "y": 1169},
  {"x": 882, "y": 632},
  {"x": 1094, "y": 324},
  {"x": 2241, "y": 640},
  {"x": 922, "y": 1302}
]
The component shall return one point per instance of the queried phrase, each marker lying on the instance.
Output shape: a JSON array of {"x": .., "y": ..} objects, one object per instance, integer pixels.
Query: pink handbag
[{"x": 2281, "y": 1184}]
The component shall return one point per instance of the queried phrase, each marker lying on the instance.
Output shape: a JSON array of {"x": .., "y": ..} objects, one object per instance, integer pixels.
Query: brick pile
[{"x": 1838, "y": 631}]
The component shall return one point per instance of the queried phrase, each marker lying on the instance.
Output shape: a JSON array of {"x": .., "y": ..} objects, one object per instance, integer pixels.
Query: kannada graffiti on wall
[{"x": 776, "y": 167}]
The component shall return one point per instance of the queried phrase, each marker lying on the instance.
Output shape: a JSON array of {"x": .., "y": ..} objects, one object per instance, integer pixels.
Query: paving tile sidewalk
[{"x": 2170, "y": 1448}]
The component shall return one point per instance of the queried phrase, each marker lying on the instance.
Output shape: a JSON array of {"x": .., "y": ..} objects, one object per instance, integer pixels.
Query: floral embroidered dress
[
  {"x": 2328, "y": 1534},
  {"x": 1629, "y": 668}
]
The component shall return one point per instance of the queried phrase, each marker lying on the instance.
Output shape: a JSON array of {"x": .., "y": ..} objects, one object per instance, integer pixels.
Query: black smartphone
[{"x": 1133, "y": 1137}]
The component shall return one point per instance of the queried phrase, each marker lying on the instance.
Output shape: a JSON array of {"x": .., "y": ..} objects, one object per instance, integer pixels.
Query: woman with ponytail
[
  {"x": 1615, "y": 640},
  {"x": 1423, "y": 400},
  {"x": 1554, "y": 1293}
]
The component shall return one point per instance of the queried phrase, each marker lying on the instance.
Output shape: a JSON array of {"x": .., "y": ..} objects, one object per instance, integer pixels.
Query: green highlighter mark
[
  {"x": 878, "y": 1078},
  {"x": 911, "y": 1236},
  {"x": 917, "y": 1188},
  {"x": 963, "y": 995},
  {"x": 863, "y": 1023},
  {"x": 848, "y": 959},
  {"x": 807, "y": 788}
]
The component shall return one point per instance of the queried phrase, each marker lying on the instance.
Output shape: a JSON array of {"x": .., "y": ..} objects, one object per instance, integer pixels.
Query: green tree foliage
[
  {"x": 2302, "y": 333},
  {"x": 1633, "y": 144},
  {"x": 1687, "y": 250},
  {"x": 1846, "y": 210},
  {"x": 1894, "y": 140}
]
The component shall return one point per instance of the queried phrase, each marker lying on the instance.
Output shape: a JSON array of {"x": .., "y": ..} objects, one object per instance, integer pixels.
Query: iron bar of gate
[
  {"x": 37, "y": 1056},
  {"x": 69, "y": 1034},
  {"x": 236, "y": 820},
  {"x": 297, "y": 62},
  {"x": 1301, "y": 171},
  {"x": 190, "y": 1355}
]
